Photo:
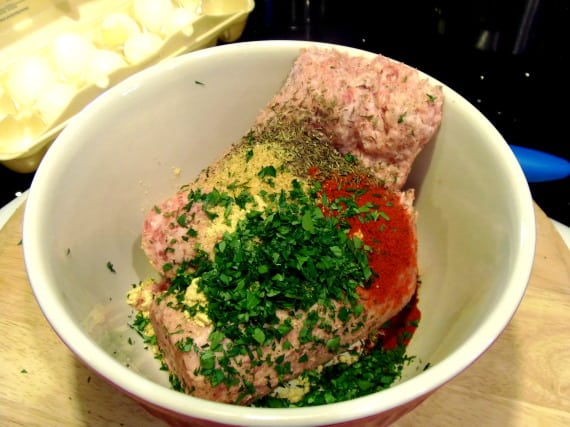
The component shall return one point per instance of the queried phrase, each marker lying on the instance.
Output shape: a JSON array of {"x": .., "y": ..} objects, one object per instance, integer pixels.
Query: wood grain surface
[{"x": 522, "y": 380}]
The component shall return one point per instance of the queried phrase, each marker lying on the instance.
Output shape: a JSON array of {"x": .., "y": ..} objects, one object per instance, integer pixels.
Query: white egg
[
  {"x": 181, "y": 20},
  {"x": 101, "y": 64},
  {"x": 27, "y": 79},
  {"x": 140, "y": 46},
  {"x": 152, "y": 14},
  {"x": 19, "y": 132},
  {"x": 6, "y": 104},
  {"x": 54, "y": 100},
  {"x": 70, "y": 54},
  {"x": 191, "y": 5},
  {"x": 114, "y": 31}
]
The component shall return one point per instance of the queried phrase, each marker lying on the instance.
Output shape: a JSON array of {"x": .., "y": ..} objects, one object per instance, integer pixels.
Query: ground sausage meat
[
  {"x": 255, "y": 376},
  {"x": 267, "y": 274},
  {"x": 380, "y": 110}
]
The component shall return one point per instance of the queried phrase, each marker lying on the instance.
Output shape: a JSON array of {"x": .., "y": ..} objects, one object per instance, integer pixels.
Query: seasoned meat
[
  {"x": 380, "y": 110},
  {"x": 165, "y": 241},
  {"x": 333, "y": 147},
  {"x": 185, "y": 341}
]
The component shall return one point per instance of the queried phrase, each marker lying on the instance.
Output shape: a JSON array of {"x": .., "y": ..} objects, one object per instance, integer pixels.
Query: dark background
[{"x": 508, "y": 58}]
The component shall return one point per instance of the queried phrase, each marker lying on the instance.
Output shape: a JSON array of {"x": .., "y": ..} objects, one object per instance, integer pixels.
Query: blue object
[{"x": 539, "y": 166}]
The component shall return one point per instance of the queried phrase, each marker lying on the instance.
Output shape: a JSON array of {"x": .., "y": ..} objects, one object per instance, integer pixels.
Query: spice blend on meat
[{"x": 288, "y": 252}]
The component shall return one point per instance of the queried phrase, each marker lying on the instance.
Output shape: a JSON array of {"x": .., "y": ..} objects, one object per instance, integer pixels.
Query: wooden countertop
[{"x": 522, "y": 380}]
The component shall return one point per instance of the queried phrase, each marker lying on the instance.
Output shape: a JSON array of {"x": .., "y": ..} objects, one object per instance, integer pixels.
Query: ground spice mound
[{"x": 392, "y": 240}]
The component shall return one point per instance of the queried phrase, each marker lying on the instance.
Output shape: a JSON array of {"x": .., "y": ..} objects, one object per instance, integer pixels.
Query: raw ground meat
[{"x": 381, "y": 111}]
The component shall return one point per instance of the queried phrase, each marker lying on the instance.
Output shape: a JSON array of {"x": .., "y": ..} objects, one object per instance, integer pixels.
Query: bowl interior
[{"x": 139, "y": 142}]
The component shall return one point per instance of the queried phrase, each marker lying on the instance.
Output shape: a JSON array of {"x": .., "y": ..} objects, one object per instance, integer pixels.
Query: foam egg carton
[{"x": 55, "y": 61}]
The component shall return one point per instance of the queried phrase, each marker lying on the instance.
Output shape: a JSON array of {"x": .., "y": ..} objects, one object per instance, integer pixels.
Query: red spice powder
[{"x": 387, "y": 228}]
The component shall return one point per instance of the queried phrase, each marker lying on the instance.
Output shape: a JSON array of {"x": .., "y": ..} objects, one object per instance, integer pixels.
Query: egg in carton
[{"x": 66, "y": 59}]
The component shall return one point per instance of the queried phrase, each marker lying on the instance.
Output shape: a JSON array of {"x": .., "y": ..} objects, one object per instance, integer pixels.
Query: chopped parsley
[
  {"x": 287, "y": 264},
  {"x": 373, "y": 371},
  {"x": 110, "y": 267},
  {"x": 285, "y": 256}
]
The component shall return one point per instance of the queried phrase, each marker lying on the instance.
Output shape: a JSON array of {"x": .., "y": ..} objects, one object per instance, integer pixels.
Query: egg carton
[{"x": 56, "y": 56}]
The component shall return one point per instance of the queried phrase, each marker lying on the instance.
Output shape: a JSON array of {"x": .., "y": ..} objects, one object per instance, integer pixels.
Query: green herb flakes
[
  {"x": 284, "y": 256},
  {"x": 431, "y": 98},
  {"x": 110, "y": 267},
  {"x": 372, "y": 371}
]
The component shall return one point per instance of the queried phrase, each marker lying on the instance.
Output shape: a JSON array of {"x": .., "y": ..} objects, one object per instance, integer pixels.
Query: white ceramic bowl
[{"x": 119, "y": 156}]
